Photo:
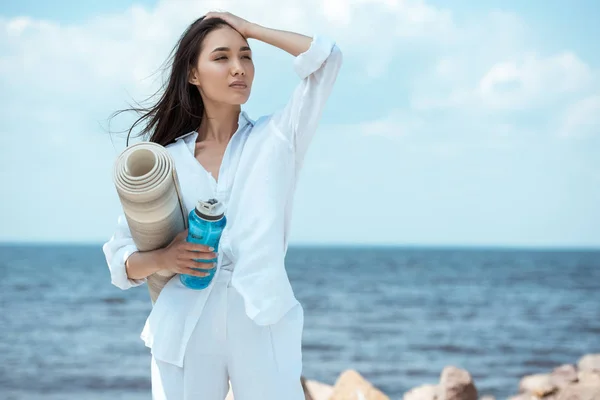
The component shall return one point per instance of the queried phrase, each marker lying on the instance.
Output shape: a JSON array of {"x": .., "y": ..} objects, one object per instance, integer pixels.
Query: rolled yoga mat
[{"x": 147, "y": 185}]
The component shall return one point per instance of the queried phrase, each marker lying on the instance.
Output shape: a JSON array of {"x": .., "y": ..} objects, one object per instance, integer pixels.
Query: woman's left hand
[{"x": 240, "y": 24}]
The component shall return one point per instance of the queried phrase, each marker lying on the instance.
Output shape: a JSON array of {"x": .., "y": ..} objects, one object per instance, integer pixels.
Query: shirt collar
[{"x": 243, "y": 119}]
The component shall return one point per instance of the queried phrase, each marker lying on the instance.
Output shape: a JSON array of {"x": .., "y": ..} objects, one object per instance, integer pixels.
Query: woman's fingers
[
  {"x": 193, "y": 272},
  {"x": 199, "y": 255},
  {"x": 198, "y": 269},
  {"x": 196, "y": 247},
  {"x": 201, "y": 265}
]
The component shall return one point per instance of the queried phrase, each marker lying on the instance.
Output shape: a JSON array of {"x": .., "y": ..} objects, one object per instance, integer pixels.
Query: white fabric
[
  {"x": 262, "y": 362},
  {"x": 257, "y": 182}
]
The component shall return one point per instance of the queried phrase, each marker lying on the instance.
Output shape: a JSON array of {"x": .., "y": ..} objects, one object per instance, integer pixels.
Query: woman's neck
[{"x": 219, "y": 124}]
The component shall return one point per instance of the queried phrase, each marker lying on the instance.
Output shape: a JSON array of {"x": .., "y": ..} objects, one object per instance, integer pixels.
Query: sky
[{"x": 452, "y": 123}]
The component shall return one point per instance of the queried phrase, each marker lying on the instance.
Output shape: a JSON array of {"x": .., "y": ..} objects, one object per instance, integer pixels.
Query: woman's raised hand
[{"x": 239, "y": 24}]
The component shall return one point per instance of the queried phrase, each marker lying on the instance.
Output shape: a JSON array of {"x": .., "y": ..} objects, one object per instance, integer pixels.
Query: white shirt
[
  {"x": 197, "y": 183},
  {"x": 256, "y": 182}
]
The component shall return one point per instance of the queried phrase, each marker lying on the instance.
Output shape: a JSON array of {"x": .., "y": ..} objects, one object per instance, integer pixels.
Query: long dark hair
[{"x": 180, "y": 108}]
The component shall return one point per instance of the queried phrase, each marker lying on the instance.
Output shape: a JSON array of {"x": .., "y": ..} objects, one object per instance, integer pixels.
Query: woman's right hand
[{"x": 179, "y": 256}]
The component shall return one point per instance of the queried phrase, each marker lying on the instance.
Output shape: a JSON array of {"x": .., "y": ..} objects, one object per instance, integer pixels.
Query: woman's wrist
[
  {"x": 140, "y": 265},
  {"x": 291, "y": 42},
  {"x": 251, "y": 30}
]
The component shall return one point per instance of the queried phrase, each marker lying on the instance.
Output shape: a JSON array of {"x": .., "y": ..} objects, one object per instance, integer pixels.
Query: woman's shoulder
[
  {"x": 171, "y": 145},
  {"x": 261, "y": 120},
  {"x": 264, "y": 123}
]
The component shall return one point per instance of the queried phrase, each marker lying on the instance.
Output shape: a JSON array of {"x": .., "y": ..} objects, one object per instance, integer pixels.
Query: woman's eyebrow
[{"x": 243, "y": 48}]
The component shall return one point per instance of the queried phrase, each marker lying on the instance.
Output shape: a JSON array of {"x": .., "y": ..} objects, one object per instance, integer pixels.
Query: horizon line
[{"x": 439, "y": 246}]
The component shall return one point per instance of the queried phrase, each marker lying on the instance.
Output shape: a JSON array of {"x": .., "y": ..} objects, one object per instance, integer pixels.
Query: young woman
[{"x": 246, "y": 327}]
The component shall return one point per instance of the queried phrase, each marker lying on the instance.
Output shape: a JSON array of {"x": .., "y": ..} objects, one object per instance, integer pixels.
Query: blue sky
[{"x": 451, "y": 123}]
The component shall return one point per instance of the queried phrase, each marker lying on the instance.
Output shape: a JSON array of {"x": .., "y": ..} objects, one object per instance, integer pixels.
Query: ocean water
[{"x": 396, "y": 315}]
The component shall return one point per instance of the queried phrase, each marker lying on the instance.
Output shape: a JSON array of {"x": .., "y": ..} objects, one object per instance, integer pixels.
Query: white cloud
[
  {"x": 124, "y": 48},
  {"x": 531, "y": 81},
  {"x": 486, "y": 66},
  {"x": 374, "y": 21},
  {"x": 495, "y": 74},
  {"x": 48, "y": 69},
  {"x": 582, "y": 119},
  {"x": 458, "y": 92},
  {"x": 524, "y": 81},
  {"x": 61, "y": 80}
]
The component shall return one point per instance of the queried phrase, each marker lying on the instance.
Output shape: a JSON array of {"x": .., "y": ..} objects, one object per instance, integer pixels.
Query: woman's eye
[{"x": 225, "y": 58}]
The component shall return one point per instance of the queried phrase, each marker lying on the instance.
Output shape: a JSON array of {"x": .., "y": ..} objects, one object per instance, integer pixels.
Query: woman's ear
[{"x": 193, "y": 77}]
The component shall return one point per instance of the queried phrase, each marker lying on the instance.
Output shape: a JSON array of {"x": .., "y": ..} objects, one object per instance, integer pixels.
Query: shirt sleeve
[
  {"x": 318, "y": 68},
  {"x": 117, "y": 250}
]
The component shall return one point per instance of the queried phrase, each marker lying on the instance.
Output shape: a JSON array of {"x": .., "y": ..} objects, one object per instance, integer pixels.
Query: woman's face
[{"x": 225, "y": 58}]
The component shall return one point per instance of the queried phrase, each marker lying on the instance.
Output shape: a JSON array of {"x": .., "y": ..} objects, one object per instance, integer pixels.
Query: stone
[
  {"x": 524, "y": 396},
  {"x": 553, "y": 396},
  {"x": 457, "y": 384},
  {"x": 350, "y": 385},
  {"x": 589, "y": 362},
  {"x": 423, "y": 392},
  {"x": 307, "y": 394},
  {"x": 539, "y": 385},
  {"x": 563, "y": 376},
  {"x": 317, "y": 390},
  {"x": 579, "y": 391},
  {"x": 587, "y": 377}
]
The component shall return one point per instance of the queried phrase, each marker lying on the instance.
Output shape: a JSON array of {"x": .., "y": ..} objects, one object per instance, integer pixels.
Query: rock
[
  {"x": 524, "y": 396},
  {"x": 423, "y": 392},
  {"x": 563, "y": 376},
  {"x": 589, "y": 362},
  {"x": 539, "y": 385},
  {"x": 587, "y": 377},
  {"x": 317, "y": 390},
  {"x": 457, "y": 384},
  {"x": 307, "y": 394},
  {"x": 579, "y": 391},
  {"x": 350, "y": 385}
]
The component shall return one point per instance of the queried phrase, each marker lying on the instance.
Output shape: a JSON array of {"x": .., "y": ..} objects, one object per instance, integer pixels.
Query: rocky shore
[{"x": 579, "y": 381}]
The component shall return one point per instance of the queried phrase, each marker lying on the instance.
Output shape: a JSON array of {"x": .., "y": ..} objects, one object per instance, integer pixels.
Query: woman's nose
[{"x": 238, "y": 69}]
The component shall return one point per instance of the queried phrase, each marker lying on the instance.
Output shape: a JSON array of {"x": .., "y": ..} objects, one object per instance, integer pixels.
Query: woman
[{"x": 246, "y": 327}]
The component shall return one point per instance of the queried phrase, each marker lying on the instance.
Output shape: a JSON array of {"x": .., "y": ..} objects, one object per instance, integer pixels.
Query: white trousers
[{"x": 262, "y": 362}]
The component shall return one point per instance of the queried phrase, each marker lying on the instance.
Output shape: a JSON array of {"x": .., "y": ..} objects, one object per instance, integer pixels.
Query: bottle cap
[{"x": 210, "y": 210}]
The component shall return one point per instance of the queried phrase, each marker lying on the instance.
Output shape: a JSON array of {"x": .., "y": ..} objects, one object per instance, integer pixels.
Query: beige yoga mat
[{"x": 147, "y": 185}]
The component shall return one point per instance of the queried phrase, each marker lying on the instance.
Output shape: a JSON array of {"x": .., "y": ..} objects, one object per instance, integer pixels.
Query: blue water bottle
[{"x": 206, "y": 224}]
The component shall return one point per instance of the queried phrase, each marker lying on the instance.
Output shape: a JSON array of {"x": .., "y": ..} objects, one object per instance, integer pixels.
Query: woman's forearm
[
  {"x": 142, "y": 264},
  {"x": 293, "y": 43}
]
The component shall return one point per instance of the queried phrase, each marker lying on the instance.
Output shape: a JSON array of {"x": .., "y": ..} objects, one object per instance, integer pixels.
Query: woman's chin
[{"x": 240, "y": 101}]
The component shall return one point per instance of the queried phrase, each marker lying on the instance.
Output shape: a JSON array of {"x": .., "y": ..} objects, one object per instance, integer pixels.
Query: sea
[{"x": 398, "y": 316}]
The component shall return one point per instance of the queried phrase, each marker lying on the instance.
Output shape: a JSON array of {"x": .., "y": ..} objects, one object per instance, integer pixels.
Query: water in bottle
[{"x": 206, "y": 224}]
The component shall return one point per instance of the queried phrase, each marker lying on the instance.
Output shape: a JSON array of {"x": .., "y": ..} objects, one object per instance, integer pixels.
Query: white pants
[{"x": 262, "y": 362}]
